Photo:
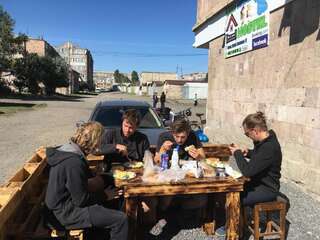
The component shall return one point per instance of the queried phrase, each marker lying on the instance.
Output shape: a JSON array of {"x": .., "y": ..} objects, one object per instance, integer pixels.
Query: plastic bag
[
  {"x": 193, "y": 168},
  {"x": 150, "y": 170},
  {"x": 170, "y": 175}
]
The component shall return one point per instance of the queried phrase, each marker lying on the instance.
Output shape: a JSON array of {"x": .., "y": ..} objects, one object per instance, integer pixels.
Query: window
[{"x": 111, "y": 117}]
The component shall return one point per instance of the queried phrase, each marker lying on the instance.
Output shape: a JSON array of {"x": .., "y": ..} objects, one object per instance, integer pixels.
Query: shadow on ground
[{"x": 57, "y": 97}]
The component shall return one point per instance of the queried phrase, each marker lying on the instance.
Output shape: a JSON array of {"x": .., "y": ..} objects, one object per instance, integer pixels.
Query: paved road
[{"x": 23, "y": 132}]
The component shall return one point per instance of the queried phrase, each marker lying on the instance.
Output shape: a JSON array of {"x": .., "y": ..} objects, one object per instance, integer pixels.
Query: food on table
[
  {"x": 188, "y": 148},
  {"x": 220, "y": 165},
  {"x": 208, "y": 170},
  {"x": 123, "y": 175},
  {"x": 133, "y": 164},
  {"x": 212, "y": 161},
  {"x": 233, "y": 173}
]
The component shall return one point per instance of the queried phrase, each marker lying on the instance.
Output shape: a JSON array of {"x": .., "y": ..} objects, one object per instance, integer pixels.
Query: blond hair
[
  {"x": 88, "y": 137},
  {"x": 256, "y": 120}
]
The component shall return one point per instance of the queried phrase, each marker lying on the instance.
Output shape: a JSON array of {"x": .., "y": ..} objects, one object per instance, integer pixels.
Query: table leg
[
  {"x": 232, "y": 215},
  {"x": 132, "y": 213}
]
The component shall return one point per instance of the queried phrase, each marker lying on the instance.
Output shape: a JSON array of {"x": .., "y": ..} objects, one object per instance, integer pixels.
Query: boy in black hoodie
[
  {"x": 73, "y": 195},
  {"x": 264, "y": 163}
]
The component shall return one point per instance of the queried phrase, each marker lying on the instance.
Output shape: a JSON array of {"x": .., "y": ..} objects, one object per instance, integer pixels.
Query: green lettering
[{"x": 253, "y": 26}]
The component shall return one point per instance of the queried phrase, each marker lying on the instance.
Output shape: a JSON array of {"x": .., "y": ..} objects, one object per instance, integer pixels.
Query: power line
[{"x": 145, "y": 55}]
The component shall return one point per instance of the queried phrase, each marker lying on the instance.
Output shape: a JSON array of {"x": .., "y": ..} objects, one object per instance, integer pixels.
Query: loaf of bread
[{"x": 188, "y": 148}]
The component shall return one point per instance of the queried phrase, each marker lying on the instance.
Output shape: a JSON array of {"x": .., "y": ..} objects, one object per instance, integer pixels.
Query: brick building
[
  {"x": 277, "y": 73},
  {"x": 80, "y": 59},
  {"x": 41, "y": 48}
]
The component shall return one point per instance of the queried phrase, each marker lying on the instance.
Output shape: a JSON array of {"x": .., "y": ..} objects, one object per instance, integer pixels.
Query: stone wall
[
  {"x": 174, "y": 92},
  {"x": 146, "y": 77},
  {"x": 206, "y": 9},
  {"x": 282, "y": 80}
]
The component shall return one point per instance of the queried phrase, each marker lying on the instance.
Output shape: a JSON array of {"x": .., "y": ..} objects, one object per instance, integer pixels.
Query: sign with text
[{"x": 247, "y": 27}]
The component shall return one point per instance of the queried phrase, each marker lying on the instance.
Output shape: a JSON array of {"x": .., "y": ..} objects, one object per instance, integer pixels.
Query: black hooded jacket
[
  {"x": 265, "y": 163},
  {"x": 67, "y": 193}
]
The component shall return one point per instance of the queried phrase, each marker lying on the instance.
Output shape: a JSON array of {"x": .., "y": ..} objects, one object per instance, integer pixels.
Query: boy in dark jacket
[{"x": 73, "y": 195}]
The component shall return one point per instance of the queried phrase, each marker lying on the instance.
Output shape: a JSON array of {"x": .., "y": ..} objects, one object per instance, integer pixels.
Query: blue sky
[{"x": 141, "y": 35}]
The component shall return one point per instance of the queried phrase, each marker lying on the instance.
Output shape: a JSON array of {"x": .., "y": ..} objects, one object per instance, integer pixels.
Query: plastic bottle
[
  {"x": 164, "y": 164},
  {"x": 175, "y": 159}
]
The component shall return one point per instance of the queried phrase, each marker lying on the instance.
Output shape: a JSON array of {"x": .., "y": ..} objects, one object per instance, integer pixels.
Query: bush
[{"x": 4, "y": 89}]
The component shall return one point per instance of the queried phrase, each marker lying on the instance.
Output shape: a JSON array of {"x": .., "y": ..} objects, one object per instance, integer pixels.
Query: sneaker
[
  {"x": 157, "y": 229},
  {"x": 221, "y": 231}
]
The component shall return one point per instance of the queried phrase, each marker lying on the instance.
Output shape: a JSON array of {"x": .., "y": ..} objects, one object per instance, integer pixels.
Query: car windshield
[{"x": 111, "y": 117}]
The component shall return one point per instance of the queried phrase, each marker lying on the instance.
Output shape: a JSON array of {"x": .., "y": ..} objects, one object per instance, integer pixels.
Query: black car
[{"x": 109, "y": 114}]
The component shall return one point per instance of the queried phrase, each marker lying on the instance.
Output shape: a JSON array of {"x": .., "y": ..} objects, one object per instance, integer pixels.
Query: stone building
[
  {"x": 277, "y": 73},
  {"x": 180, "y": 89},
  {"x": 149, "y": 77},
  {"x": 103, "y": 79},
  {"x": 194, "y": 76},
  {"x": 79, "y": 59}
]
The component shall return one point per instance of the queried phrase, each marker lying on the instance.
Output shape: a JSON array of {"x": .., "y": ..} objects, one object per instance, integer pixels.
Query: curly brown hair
[
  {"x": 88, "y": 137},
  {"x": 180, "y": 126},
  {"x": 132, "y": 116}
]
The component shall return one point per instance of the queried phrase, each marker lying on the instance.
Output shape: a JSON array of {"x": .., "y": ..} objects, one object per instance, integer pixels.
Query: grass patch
[{"x": 11, "y": 107}]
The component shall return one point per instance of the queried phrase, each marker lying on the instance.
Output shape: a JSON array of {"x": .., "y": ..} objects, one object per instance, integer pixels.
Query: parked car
[{"x": 109, "y": 114}]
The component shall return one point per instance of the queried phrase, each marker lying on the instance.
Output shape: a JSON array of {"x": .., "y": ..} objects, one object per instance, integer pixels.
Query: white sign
[{"x": 247, "y": 27}]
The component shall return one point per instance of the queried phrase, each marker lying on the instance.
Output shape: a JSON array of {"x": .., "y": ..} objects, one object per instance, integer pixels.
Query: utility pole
[{"x": 70, "y": 69}]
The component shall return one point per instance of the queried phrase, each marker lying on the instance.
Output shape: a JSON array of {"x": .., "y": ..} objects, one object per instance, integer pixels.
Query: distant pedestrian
[
  {"x": 195, "y": 100},
  {"x": 163, "y": 100},
  {"x": 140, "y": 91},
  {"x": 155, "y": 99}
]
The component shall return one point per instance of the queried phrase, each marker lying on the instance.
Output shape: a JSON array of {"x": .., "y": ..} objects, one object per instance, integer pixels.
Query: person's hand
[
  {"x": 122, "y": 149},
  {"x": 194, "y": 153},
  {"x": 245, "y": 151},
  {"x": 233, "y": 148},
  {"x": 112, "y": 192},
  {"x": 166, "y": 146}
]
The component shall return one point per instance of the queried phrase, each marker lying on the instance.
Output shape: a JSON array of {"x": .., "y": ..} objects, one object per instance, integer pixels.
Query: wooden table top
[{"x": 188, "y": 185}]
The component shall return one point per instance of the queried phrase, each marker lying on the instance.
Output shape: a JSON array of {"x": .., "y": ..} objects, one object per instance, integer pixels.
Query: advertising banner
[{"x": 247, "y": 27}]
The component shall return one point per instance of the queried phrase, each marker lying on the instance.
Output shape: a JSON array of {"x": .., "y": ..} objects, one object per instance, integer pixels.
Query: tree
[
  {"x": 83, "y": 86},
  {"x": 116, "y": 76},
  {"x": 135, "y": 78},
  {"x": 27, "y": 72},
  {"x": 9, "y": 44},
  {"x": 54, "y": 73}
]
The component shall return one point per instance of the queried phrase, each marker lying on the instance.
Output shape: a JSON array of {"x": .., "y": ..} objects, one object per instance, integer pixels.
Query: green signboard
[{"x": 247, "y": 27}]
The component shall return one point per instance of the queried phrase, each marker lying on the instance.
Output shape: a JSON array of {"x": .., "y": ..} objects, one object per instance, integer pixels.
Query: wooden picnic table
[{"x": 135, "y": 188}]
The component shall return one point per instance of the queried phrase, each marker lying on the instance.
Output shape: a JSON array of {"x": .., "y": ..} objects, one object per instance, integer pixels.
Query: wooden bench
[{"x": 273, "y": 229}]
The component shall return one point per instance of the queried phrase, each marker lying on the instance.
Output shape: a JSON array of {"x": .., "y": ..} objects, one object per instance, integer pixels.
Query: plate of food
[
  {"x": 123, "y": 175},
  {"x": 213, "y": 162},
  {"x": 133, "y": 164}
]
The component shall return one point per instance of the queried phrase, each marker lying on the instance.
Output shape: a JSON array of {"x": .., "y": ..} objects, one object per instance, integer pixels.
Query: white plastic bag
[
  {"x": 193, "y": 168},
  {"x": 171, "y": 175},
  {"x": 150, "y": 170}
]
